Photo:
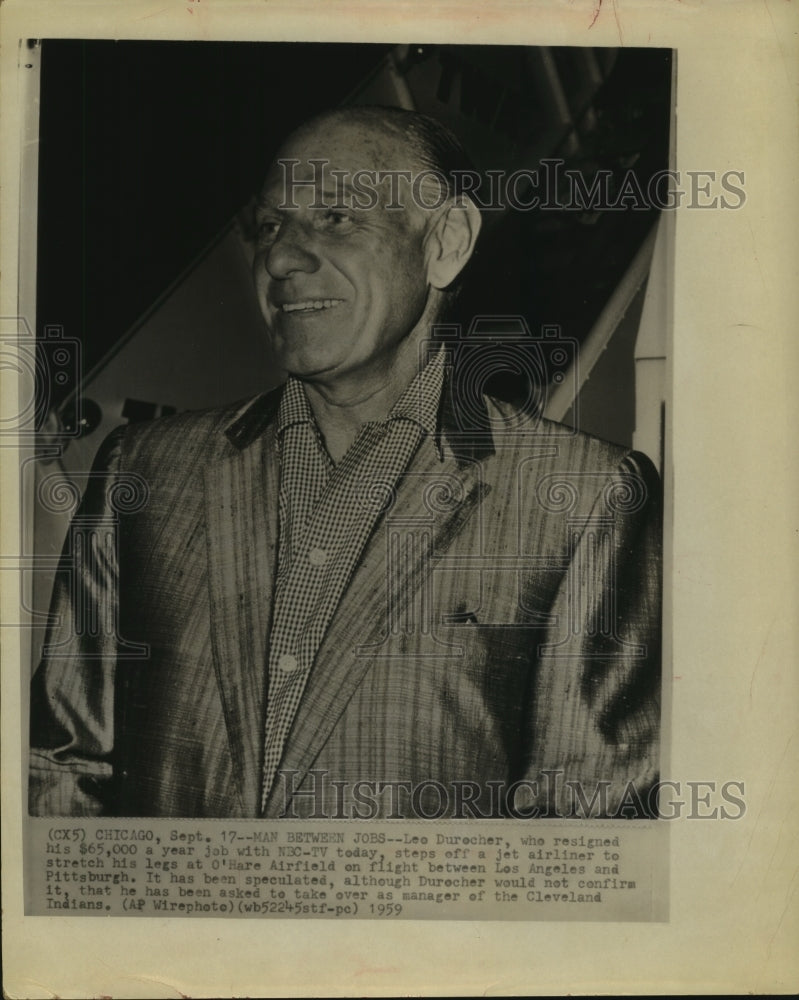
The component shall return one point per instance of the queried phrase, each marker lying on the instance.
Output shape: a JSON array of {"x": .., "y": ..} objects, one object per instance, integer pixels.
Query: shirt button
[
  {"x": 288, "y": 663},
  {"x": 317, "y": 557}
]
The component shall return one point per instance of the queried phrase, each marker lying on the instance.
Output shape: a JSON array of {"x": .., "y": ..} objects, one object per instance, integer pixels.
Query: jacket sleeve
[
  {"x": 595, "y": 708},
  {"x": 72, "y": 692}
]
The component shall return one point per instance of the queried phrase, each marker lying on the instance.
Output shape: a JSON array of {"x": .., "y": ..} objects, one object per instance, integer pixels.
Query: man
[{"x": 375, "y": 591}]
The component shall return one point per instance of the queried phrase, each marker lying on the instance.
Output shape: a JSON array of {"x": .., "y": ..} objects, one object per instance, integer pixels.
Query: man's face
[{"x": 340, "y": 287}]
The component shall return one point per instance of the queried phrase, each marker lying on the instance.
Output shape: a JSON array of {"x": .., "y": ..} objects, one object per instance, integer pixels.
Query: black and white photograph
[{"x": 376, "y": 531}]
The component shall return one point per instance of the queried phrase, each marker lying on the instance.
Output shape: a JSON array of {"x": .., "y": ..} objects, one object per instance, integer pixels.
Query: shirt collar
[
  {"x": 294, "y": 406},
  {"x": 419, "y": 402}
]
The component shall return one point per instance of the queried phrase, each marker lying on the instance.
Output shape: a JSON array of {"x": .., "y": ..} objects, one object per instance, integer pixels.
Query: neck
[
  {"x": 341, "y": 410},
  {"x": 342, "y": 405}
]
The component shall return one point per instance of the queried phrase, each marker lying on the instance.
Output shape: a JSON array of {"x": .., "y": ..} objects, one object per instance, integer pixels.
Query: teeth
[{"x": 312, "y": 305}]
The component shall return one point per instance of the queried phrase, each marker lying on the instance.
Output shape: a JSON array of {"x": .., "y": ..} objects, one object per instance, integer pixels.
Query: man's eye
[
  {"x": 266, "y": 230},
  {"x": 338, "y": 218}
]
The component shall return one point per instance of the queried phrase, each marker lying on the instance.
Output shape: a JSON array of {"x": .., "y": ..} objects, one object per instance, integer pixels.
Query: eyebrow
[{"x": 330, "y": 195}]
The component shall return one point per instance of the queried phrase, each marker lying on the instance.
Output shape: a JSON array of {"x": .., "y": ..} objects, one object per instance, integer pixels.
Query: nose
[{"x": 291, "y": 251}]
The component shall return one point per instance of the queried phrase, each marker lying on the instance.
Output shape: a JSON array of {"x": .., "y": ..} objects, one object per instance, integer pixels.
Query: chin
[{"x": 306, "y": 368}]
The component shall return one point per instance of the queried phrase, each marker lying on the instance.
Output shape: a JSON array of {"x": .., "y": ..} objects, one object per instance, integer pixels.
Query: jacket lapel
[
  {"x": 340, "y": 666},
  {"x": 241, "y": 495}
]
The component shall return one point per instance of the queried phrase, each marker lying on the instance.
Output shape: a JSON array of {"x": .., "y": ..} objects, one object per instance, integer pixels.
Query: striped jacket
[{"x": 495, "y": 651}]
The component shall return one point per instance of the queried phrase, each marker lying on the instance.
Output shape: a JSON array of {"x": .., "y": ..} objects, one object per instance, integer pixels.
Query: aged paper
[{"x": 716, "y": 910}]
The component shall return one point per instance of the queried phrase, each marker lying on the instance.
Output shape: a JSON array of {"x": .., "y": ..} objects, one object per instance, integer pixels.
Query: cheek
[
  {"x": 398, "y": 280},
  {"x": 409, "y": 267}
]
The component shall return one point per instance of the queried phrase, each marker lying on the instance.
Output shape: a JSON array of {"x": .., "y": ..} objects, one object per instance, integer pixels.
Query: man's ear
[{"x": 451, "y": 241}]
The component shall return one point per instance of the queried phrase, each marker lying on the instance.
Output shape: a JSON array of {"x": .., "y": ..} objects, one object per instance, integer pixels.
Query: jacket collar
[
  {"x": 251, "y": 422},
  {"x": 463, "y": 424}
]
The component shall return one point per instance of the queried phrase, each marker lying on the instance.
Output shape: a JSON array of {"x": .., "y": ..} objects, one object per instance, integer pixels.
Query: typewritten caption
[{"x": 434, "y": 870}]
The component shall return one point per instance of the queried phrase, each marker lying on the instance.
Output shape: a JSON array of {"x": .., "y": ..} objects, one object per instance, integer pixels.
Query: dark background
[{"x": 147, "y": 150}]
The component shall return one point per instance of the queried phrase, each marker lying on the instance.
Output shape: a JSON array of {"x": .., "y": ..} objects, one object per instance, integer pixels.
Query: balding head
[{"x": 426, "y": 143}]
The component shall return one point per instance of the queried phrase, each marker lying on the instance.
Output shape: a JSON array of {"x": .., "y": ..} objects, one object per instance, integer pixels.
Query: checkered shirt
[{"x": 327, "y": 513}]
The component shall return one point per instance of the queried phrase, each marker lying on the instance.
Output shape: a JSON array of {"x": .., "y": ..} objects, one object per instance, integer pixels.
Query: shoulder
[
  {"x": 563, "y": 448},
  {"x": 192, "y": 437}
]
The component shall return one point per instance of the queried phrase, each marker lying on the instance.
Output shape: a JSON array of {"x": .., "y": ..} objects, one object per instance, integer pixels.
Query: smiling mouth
[{"x": 310, "y": 305}]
